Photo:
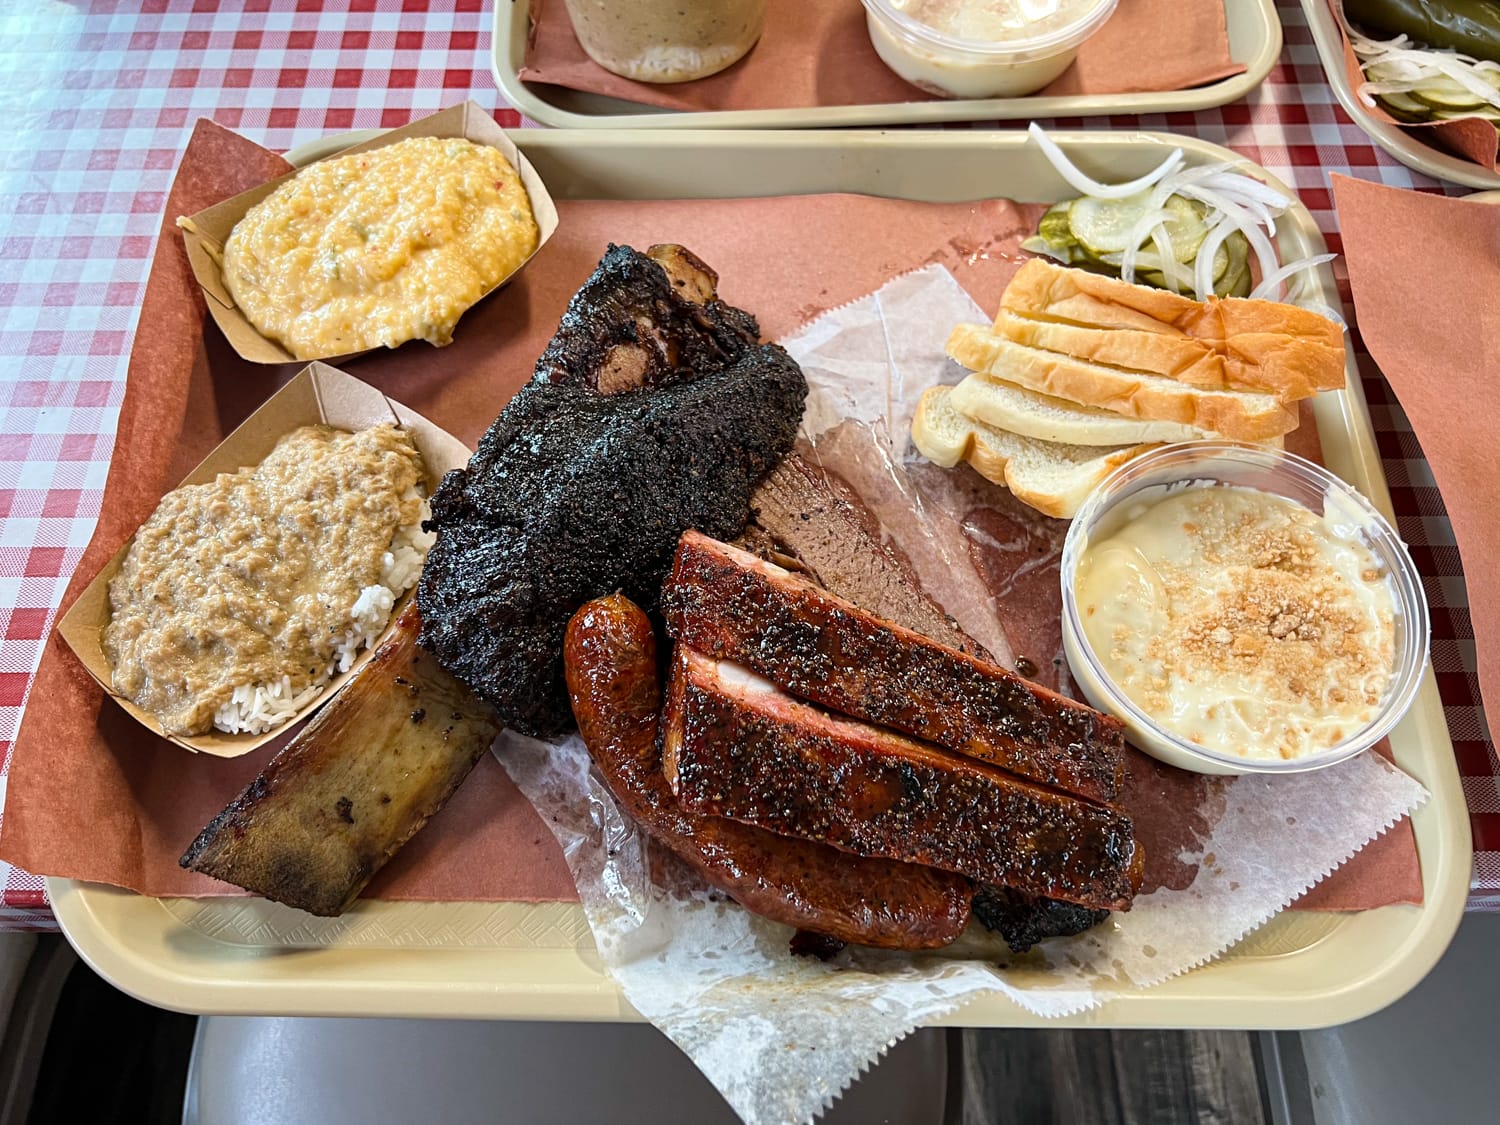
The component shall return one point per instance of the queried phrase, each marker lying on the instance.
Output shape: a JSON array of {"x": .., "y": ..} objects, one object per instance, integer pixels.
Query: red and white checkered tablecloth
[{"x": 98, "y": 100}]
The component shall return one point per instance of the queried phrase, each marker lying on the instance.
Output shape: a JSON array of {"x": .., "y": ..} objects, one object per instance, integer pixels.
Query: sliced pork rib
[
  {"x": 736, "y": 746},
  {"x": 728, "y": 603}
]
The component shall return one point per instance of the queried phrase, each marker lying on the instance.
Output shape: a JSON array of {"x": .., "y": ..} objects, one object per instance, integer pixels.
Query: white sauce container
[
  {"x": 1257, "y": 467},
  {"x": 976, "y": 68}
]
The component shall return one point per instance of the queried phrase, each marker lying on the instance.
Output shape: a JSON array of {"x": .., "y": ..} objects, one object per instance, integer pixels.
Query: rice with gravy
[{"x": 240, "y": 597}]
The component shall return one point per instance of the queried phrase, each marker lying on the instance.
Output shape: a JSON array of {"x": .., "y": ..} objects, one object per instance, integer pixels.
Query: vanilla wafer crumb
[{"x": 1241, "y": 621}]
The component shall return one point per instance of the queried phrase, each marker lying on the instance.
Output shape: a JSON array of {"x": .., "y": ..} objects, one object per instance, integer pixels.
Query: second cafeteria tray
[
  {"x": 1395, "y": 140},
  {"x": 1254, "y": 42},
  {"x": 519, "y": 961}
]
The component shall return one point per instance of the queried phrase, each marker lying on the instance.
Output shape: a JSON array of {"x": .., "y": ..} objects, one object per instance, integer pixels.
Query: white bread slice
[
  {"x": 1159, "y": 352},
  {"x": 1048, "y": 476},
  {"x": 1265, "y": 363},
  {"x": 1045, "y": 290},
  {"x": 1233, "y": 414},
  {"x": 994, "y": 402}
]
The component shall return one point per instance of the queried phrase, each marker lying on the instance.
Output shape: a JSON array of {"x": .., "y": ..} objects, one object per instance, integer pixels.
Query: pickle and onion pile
[
  {"x": 1207, "y": 230},
  {"x": 1429, "y": 60},
  {"x": 1093, "y": 234}
]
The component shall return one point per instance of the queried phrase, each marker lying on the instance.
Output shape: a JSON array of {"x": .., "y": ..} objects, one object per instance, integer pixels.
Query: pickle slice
[
  {"x": 1484, "y": 113},
  {"x": 1053, "y": 227},
  {"x": 1236, "y": 279},
  {"x": 1447, "y": 96},
  {"x": 1405, "y": 106},
  {"x": 1103, "y": 226}
]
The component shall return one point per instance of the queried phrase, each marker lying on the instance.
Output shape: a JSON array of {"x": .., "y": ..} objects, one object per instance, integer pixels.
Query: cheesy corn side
[{"x": 381, "y": 247}]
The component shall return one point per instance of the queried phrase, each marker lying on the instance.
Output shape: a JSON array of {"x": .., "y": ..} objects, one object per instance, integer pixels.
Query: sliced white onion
[
  {"x": 1085, "y": 184},
  {"x": 1203, "y": 266},
  {"x": 1394, "y": 66},
  {"x": 1221, "y": 185},
  {"x": 1270, "y": 285},
  {"x": 1171, "y": 268},
  {"x": 1139, "y": 231},
  {"x": 1265, "y": 252},
  {"x": 1226, "y": 179},
  {"x": 1233, "y": 204}
]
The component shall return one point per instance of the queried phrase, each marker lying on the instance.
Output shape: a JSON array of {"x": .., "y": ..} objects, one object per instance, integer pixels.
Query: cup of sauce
[
  {"x": 666, "y": 41},
  {"x": 982, "y": 48}
]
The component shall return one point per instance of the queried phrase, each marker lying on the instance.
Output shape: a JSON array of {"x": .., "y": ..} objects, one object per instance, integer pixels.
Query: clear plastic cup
[
  {"x": 1282, "y": 474},
  {"x": 953, "y": 67},
  {"x": 666, "y": 41}
]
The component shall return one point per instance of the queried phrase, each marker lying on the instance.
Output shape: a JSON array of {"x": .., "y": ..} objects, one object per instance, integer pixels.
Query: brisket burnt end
[
  {"x": 645, "y": 320},
  {"x": 1023, "y": 920}
]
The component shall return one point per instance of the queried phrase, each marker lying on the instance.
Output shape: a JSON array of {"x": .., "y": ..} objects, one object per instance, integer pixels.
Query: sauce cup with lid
[
  {"x": 982, "y": 48},
  {"x": 1349, "y": 518}
]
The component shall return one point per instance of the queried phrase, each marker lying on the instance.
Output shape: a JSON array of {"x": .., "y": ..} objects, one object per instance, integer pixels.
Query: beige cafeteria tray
[
  {"x": 1254, "y": 41},
  {"x": 538, "y": 962},
  {"x": 1395, "y": 140}
]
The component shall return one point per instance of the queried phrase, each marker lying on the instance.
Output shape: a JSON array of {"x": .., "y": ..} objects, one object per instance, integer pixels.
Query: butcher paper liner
[{"x": 781, "y": 1036}]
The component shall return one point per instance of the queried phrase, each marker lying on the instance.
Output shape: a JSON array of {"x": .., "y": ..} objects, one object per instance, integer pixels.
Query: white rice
[{"x": 255, "y": 708}]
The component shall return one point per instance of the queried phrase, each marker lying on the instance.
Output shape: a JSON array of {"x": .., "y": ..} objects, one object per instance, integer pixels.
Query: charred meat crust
[
  {"x": 612, "y": 675},
  {"x": 751, "y": 753},
  {"x": 574, "y": 493},
  {"x": 729, "y": 604},
  {"x": 331, "y": 808},
  {"x": 645, "y": 320},
  {"x": 1023, "y": 921}
]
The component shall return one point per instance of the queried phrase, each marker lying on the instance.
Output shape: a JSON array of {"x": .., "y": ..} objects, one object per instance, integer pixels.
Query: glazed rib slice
[
  {"x": 735, "y": 746},
  {"x": 615, "y": 683},
  {"x": 730, "y": 604}
]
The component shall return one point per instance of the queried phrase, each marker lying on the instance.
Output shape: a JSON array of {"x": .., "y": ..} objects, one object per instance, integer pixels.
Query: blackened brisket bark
[{"x": 576, "y": 492}]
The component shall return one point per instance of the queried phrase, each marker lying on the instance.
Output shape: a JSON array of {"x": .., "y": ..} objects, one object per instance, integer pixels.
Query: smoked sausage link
[{"x": 609, "y": 660}]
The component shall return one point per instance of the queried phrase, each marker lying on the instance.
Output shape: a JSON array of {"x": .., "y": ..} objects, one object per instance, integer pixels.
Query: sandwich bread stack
[{"x": 1081, "y": 372}]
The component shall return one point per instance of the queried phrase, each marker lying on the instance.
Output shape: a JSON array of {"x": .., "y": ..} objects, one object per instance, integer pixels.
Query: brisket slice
[
  {"x": 726, "y": 602},
  {"x": 928, "y": 535},
  {"x": 798, "y": 513},
  {"x": 735, "y": 746}
]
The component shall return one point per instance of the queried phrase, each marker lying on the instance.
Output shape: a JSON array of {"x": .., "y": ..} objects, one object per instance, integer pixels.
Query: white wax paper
[{"x": 781, "y": 1036}]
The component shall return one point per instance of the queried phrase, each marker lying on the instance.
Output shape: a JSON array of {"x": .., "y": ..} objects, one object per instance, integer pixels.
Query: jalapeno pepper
[{"x": 1471, "y": 27}]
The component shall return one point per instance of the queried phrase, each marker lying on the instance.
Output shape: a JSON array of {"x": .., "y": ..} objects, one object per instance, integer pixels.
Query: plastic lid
[{"x": 1058, "y": 38}]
